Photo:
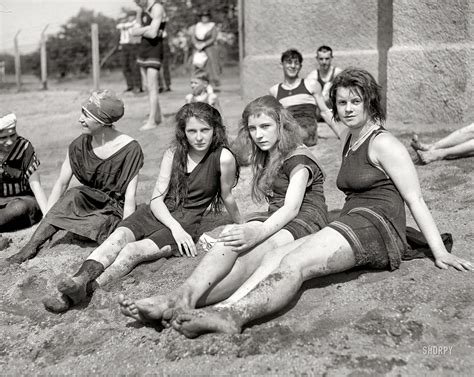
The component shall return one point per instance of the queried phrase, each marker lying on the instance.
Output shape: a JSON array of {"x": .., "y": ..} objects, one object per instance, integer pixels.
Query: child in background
[{"x": 202, "y": 91}]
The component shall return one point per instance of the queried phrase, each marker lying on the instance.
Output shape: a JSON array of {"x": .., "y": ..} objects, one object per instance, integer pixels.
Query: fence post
[
  {"x": 17, "y": 62},
  {"x": 44, "y": 67},
  {"x": 95, "y": 55},
  {"x": 241, "y": 25}
]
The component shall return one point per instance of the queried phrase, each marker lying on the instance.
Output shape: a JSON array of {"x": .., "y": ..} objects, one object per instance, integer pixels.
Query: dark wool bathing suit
[
  {"x": 94, "y": 209},
  {"x": 373, "y": 218},
  {"x": 203, "y": 186},
  {"x": 16, "y": 170},
  {"x": 302, "y": 105},
  {"x": 312, "y": 215},
  {"x": 150, "y": 54}
]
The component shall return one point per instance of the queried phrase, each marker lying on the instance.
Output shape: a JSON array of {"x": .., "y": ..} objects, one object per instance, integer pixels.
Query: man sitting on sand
[
  {"x": 457, "y": 144},
  {"x": 22, "y": 199},
  {"x": 298, "y": 96}
]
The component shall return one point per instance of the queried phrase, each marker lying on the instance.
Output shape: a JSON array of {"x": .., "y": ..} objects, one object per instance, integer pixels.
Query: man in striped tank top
[
  {"x": 326, "y": 72},
  {"x": 22, "y": 199},
  {"x": 298, "y": 96}
]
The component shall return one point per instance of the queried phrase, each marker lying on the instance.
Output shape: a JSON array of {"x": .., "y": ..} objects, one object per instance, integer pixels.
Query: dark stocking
[
  {"x": 43, "y": 233},
  {"x": 75, "y": 287}
]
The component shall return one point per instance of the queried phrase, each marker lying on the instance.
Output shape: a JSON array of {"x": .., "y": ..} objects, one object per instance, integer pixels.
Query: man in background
[
  {"x": 129, "y": 49},
  {"x": 325, "y": 73},
  {"x": 299, "y": 96}
]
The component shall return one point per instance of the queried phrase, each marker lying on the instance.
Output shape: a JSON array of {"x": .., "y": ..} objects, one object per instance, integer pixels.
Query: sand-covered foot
[
  {"x": 426, "y": 157},
  {"x": 74, "y": 288},
  {"x": 129, "y": 309},
  {"x": 418, "y": 145},
  {"x": 148, "y": 310},
  {"x": 56, "y": 303},
  {"x": 148, "y": 126},
  {"x": 201, "y": 321},
  {"x": 23, "y": 255}
]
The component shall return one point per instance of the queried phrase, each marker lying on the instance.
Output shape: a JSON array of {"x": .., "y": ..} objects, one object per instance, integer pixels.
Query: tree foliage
[{"x": 70, "y": 50}]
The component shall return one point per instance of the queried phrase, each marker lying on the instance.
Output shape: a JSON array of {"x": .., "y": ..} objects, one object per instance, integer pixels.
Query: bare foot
[
  {"x": 428, "y": 156},
  {"x": 201, "y": 321},
  {"x": 418, "y": 145},
  {"x": 129, "y": 309},
  {"x": 73, "y": 288},
  {"x": 148, "y": 310},
  {"x": 148, "y": 126}
]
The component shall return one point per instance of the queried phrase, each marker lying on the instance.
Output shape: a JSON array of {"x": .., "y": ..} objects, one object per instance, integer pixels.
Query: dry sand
[{"x": 413, "y": 321}]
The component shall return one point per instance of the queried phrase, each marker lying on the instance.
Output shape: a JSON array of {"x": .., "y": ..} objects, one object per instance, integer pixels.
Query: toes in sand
[
  {"x": 148, "y": 310},
  {"x": 128, "y": 308},
  {"x": 418, "y": 145},
  {"x": 196, "y": 322},
  {"x": 425, "y": 157}
]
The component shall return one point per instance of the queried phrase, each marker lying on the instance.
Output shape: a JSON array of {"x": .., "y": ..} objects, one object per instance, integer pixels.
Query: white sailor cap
[{"x": 8, "y": 122}]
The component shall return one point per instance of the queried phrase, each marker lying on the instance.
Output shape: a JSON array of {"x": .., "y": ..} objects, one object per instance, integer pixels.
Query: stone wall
[
  {"x": 272, "y": 26},
  {"x": 419, "y": 50},
  {"x": 430, "y": 64}
]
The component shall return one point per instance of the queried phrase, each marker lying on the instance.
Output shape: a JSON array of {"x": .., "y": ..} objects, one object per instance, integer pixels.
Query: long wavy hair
[
  {"x": 264, "y": 165},
  {"x": 178, "y": 188},
  {"x": 365, "y": 86}
]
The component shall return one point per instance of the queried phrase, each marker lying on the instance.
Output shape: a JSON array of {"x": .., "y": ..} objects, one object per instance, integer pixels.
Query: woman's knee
[
  {"x": 290, "y": 263},
  {"x": 122, "y": 236}
]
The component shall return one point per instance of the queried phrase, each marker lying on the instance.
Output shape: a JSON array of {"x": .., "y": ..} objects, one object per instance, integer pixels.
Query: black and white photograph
[{"x": 236, "y": 187}]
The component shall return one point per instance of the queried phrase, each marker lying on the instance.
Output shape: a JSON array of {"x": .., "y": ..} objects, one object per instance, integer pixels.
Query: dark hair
[
  {"x": 178, "y": 189},
  {"x": 324, "y": 48},
  {"x": 265, "y": 168},
  {"x": 365, "y": 85},
  {"x": 204, "y": 12},
  {"x": 292, "y": 54}
]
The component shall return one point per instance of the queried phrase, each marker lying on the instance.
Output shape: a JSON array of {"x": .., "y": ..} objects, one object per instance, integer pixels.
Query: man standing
[
  {"x": 22, "y": 199},
  {"x": 298, "y": 96},
  {"x": 326, "y": 72},
  {"x": 150, "y": 55},
  {"x": 129, "y": 45}
]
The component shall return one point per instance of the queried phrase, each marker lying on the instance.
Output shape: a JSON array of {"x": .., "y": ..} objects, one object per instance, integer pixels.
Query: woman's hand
[
  {"x": 451, "y": 260},
  {"x": 242, "y": 237},
  {"x": 184, "y": 241}
]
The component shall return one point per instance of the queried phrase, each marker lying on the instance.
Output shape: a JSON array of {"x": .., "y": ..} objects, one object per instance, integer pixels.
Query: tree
[{"x": 69, "y": 51}]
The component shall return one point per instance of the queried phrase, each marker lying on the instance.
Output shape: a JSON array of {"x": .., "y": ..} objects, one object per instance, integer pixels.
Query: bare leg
[
  {"x": 270, "y": 262},
  {"x": 455, "y": 138},
  {"x": 323, "y": 253},
  {"x": 462, "y": 150},
  {"x": 43, "y": 233},
  {"x": 144, "y": 78},
  {"x": 131, "y": 255},
  {"x": 218, "y": 275},
  {"x": 155, "y": 111}
]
